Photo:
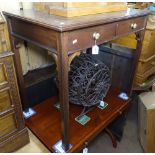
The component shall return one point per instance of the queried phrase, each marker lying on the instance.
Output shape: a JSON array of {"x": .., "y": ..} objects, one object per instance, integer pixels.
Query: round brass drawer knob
[
  {"x": 12, "y": 105},
  {"x": 133, "y": 25},
  {"x": 96, "y": 35}
]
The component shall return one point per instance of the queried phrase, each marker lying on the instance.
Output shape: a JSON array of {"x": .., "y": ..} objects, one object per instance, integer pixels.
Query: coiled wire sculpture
[{"x": 89, "y": 80}]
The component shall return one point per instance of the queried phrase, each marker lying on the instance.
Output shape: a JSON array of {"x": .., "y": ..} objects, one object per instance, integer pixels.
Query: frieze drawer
[
  {"x": 5, "y": 100},
  {"x": 7, "y": 124},
  {"x": 84, "y": 38},
  {"x": 131, "y": 25}
]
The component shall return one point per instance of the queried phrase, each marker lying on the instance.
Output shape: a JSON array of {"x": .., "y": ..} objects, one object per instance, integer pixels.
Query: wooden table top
[{"x": 61, "y": 24}]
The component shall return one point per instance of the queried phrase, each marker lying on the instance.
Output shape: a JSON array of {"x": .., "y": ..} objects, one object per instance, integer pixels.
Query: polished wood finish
[
  {"x": 62, "y": 24},
  {"x": 48, "y": 121},
  {"x": 124, "y": 27},
  {"x": 45, "y": 37},
  {"x": 57, "y": 34},
  {"x": 107, "y": 33}
]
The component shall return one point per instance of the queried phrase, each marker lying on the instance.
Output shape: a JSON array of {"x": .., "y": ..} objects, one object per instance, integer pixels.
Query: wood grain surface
[
  {"x": 64, "y": 24},
  {"x": 48, "y": 120}
]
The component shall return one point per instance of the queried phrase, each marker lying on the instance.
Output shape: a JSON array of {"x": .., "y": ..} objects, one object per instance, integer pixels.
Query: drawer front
[
  {"x": 43, "y": 36},
  {"x": 148, "y": 48},
  {"x": 5, "y": 100},
  {"x": 7, "y": 124},
  {"x": 143, "y": 67},
  {"x": 126, "y": 27},
  {"x": 83, "y": 38}
]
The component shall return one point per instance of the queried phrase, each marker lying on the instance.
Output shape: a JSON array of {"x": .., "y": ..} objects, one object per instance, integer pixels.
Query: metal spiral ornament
[{"x": 89, "y": 80}]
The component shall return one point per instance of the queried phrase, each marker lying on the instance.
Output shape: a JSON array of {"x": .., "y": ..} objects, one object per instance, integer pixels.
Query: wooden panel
[
  {"x": 7, "y": 60},
  {"x": 148, "y": 48},
  {"x": 43, "y": 37},
  {"x": 47, "y": 123},
  {"x": 143, "y": 67},
  {"x": 62, "y": 24},
  {"x": 42, "y": 5},
  {"x": 80, "y": 11},
  {"x": 7, "y": 124},
  {"x": 5, "y": 100},
  {"x": 83, "y": 4},
  {"x": 150, "y": 131},
  {"x": 15, "y": 141},
  {"x": 72, "y": 9},
  {"x": 84, "y": 37},
  {"x": 3, "y": 78},
  {"x": 141, "y": 78},
  {"x": 124, "y": 27},
  {"x": 120, "y": 61},
  {"x": 11, "y": 118},
  {"x": 146, "y": 121},
  {"x": 3, "y": 39}
]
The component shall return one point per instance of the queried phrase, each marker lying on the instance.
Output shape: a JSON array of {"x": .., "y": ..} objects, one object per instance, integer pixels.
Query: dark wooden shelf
[
  {"x": 38, "y": 75},
  {"x": 46, "y": 124}
]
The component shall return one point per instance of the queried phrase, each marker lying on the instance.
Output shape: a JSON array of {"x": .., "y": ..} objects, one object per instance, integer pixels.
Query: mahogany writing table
[{"x": 63, "y": 37}]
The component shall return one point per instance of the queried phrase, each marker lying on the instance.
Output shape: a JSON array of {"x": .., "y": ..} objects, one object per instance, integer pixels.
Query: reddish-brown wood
[
  {"x": 62, "y": 24},
  {"x": 124, "y": 27},
  {"x": 57, "y": 34},
  {"x": 85, "y": 38},
  {"x": 45, "y": 37},
  {"x": 62, "y": 65},
  {"x": 47, "y": 120}
]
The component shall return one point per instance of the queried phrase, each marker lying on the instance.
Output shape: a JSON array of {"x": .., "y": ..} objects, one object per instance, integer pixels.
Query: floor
[
  {"x": 35, "y": 146},
  {"x": 102, "y": 143}
]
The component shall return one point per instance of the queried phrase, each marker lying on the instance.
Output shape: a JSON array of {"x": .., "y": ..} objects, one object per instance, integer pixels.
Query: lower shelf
[{"x": 46, "y": 124}]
